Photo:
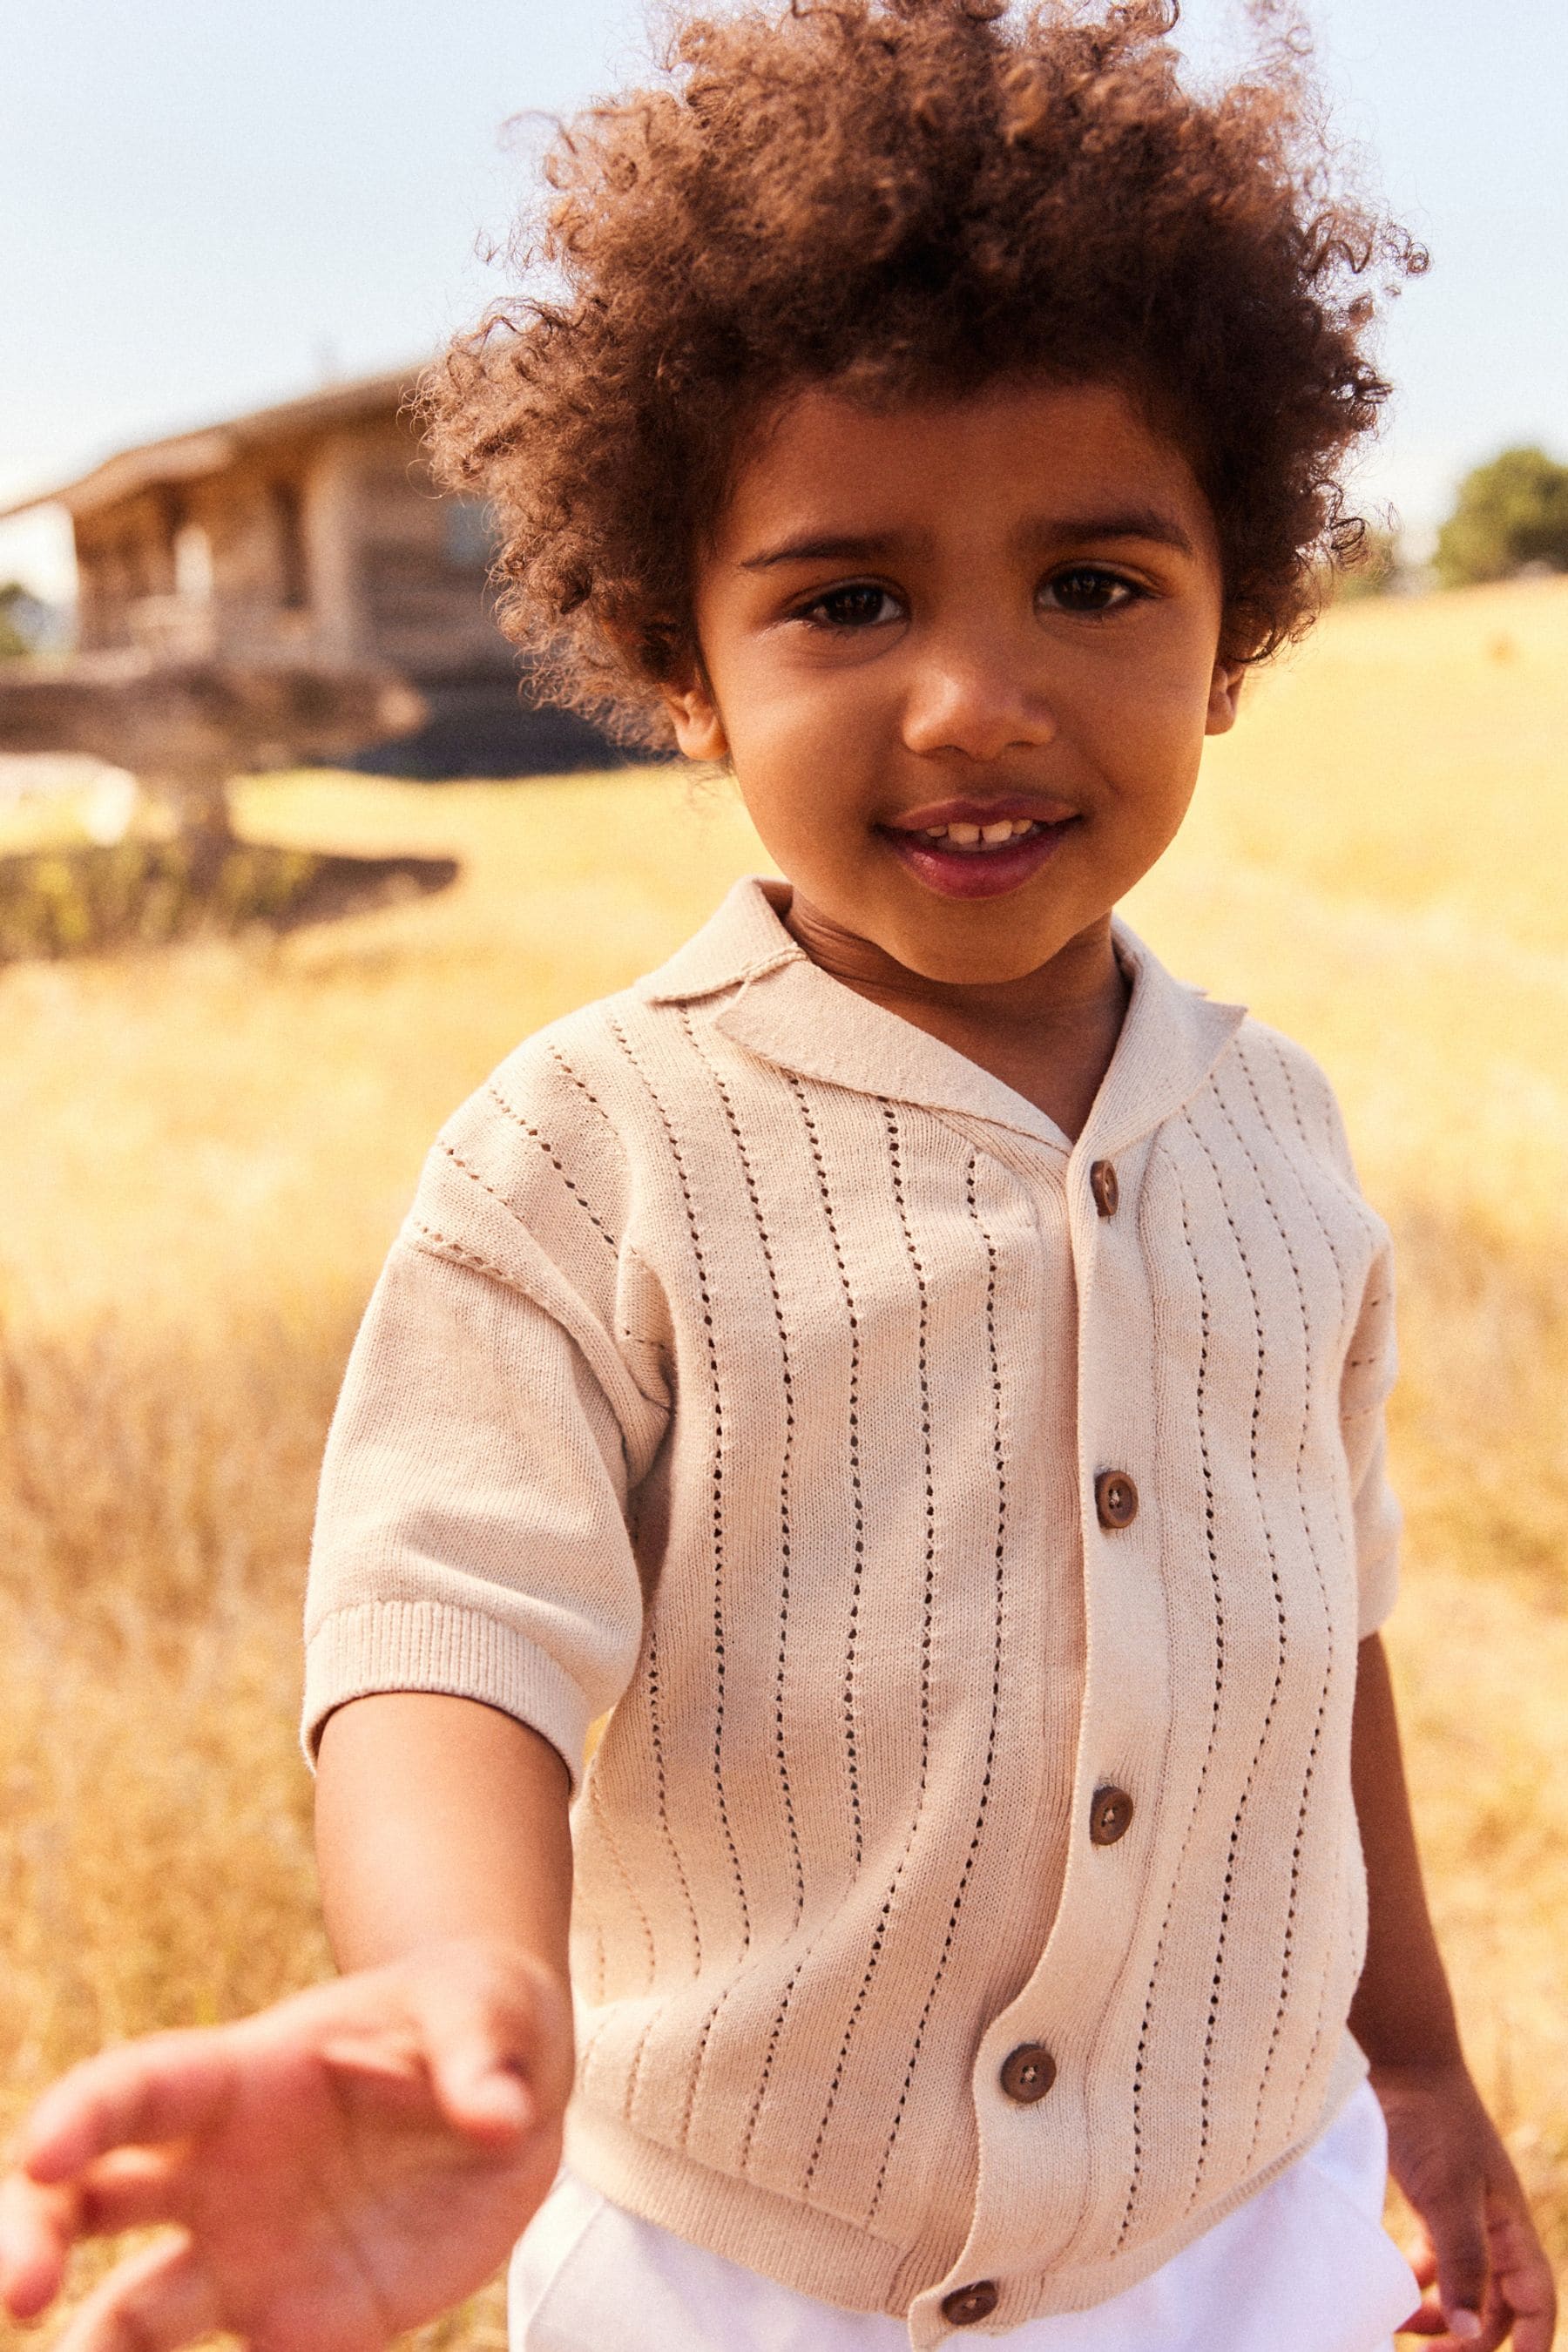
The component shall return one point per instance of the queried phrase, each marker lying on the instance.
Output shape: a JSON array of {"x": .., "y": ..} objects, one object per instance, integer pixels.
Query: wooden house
[{"x": 314, "y": 529}]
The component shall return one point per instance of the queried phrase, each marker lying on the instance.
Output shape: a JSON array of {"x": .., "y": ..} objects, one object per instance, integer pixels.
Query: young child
[{"x": 910, "y": 1365}]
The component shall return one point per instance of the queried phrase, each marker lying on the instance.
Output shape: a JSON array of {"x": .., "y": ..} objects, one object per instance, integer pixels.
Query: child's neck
[{"x": 1048, "y": 1036}]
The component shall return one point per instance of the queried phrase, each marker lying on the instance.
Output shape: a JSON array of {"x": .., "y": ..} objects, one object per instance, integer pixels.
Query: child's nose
[{"x": 971, "y": 698}]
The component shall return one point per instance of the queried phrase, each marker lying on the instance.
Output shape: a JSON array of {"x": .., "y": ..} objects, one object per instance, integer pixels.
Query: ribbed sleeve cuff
[{"x": 427, "y": 1645}]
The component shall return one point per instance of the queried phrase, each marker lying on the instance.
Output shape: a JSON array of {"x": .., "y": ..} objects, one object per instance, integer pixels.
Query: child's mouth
[{"x": 965, "y": 859}]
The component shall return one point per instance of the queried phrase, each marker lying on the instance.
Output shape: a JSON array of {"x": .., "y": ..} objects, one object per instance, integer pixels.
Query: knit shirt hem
[{"x": 834, "y": 2261}]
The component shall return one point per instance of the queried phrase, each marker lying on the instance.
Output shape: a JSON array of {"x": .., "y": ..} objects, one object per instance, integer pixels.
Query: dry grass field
[{"x": 204, "y": 1153}]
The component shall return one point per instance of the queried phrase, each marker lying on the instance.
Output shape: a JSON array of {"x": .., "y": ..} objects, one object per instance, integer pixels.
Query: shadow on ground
[{"x": 87, "y": 899}]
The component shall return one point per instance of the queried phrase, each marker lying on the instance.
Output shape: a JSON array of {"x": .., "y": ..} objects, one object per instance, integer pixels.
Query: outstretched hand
[
  {"x": 339, "y": 2169},
  {"x": 1485, "y": 2275}
]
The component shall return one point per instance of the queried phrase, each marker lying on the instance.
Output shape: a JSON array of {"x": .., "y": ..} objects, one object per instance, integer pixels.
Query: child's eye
[
  {"x": 1088, "y": 589},
  {"x": 860, "y": 605}
]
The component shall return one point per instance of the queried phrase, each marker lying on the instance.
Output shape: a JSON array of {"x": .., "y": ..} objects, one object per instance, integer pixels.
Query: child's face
[{"x": 955, "y": 614}]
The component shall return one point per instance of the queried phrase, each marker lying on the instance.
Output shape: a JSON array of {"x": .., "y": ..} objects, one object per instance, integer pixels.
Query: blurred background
[{"x": 286, "y": 865}]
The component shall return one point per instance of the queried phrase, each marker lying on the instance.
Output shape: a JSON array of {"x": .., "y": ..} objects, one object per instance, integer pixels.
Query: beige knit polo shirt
[{"x": 969, "y": 1535}]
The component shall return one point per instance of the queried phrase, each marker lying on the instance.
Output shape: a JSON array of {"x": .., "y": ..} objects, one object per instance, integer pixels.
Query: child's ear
[
  {"x": 694, "y": 715},
  {"x": 1224, "y": 694}
]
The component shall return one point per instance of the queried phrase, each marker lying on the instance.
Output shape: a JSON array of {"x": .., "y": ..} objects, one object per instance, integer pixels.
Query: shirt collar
[{"x": 789, "y": 1011}]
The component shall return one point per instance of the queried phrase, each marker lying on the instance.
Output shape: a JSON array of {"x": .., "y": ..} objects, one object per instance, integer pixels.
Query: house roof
[{"x": 189, "y": 457}]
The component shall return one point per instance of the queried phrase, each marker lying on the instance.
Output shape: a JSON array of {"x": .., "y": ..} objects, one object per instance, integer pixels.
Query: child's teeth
[{"x": 978, "y": 837}]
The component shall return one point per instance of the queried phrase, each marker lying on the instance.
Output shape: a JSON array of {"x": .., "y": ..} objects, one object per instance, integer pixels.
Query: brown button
[
  {"x": 965, "y": 2304},
  {"x": 1109, "y": 1816},
  {"x": 1115, "y": 1498},
  {"x": 1028, "y": 2073},
  {"x": 1107, "y": 1191}
]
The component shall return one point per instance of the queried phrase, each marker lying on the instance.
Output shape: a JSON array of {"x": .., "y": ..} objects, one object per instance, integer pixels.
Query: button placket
[
  {"x": 1115, "y": 1498},
  {"x": 1028, "y": 2073},
  {"x": 1109, "y": 1816},
  {"x": 965, "y": 2304}
]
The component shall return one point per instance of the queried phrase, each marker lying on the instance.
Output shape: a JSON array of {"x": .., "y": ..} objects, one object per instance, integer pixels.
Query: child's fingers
[
  {"x": 1535, "y": 2331},
  {"x": 165, "y": 2087},
  {"x": 1429, "y": 2322},
  {"x": 131, "y": 2189},
  {"x": 479, "y": 2068},
  {"x": 1430, "y": 2325},
  {"x": 1425, "y": 2320},
  {"x": 1422, "y": 2262},
  {"x": 158, "y": 2300},
  {"x": 127, "y": 2190},
  {"x": 36, "y": 2226},
  {"x": 397, "y": 2061},
  {"x": 483, "y": 2091},
  {"x": 477, "y": 2086},
  {"x": 1456, "y": 2225},
  {"x": 1521, "y": 2273},
  {"x": 498, "y": 2048}
]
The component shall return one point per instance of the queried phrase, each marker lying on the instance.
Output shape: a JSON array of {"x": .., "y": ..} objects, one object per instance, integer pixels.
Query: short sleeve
[
  {"x": 471, "y": 1534},
  {"x": 1367, "y": 1379}
]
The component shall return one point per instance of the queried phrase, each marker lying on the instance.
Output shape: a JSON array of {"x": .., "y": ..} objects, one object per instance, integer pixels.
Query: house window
[
  {"x": 293, "y": 568},
  {"x": 470, "y": 533}
]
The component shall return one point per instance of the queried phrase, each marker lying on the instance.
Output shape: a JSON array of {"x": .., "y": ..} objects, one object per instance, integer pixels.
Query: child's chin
[{"x": 995, "y": 953}]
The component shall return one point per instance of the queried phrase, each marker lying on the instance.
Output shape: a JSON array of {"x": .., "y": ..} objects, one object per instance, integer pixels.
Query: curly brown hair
[{"x": 905, "y": 197}]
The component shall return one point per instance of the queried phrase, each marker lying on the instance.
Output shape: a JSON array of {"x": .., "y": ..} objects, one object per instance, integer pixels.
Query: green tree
[{"x": 1511, "y": 513}]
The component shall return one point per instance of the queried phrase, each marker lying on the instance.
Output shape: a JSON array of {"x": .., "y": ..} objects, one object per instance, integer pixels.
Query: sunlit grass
[{"x": 204, "y": 1153}]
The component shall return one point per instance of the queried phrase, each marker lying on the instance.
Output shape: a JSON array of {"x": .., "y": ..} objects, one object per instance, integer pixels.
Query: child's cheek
[{"x": 813, "y": 771}]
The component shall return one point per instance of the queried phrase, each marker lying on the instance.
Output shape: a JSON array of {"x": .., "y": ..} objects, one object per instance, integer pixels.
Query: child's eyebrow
[
  {"x": 816, "y": 548},
  {"x": 1128, "y": 523},
  {"x": 1132, "y": 522}
]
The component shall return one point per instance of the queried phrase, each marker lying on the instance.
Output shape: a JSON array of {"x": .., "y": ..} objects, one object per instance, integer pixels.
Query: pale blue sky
[{"x": 209, "y": 205}]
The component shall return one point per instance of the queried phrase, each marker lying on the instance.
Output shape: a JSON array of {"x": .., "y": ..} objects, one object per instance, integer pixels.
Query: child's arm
[
  {"x": 1488, "y": 2264},
  {"x": 360, "y": 2156},
  {"x": 437, "y": 1817}
]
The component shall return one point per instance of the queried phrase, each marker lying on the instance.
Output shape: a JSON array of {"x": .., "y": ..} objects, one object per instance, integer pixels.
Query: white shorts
[{"x": 1306, "y": 2262}]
